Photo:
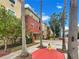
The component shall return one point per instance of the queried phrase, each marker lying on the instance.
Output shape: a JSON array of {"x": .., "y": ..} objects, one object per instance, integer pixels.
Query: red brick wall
[{"x": 32, "y": 25}]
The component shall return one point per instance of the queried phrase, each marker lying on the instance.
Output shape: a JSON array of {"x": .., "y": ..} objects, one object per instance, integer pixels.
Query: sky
[{"x": 49, "y": 7}]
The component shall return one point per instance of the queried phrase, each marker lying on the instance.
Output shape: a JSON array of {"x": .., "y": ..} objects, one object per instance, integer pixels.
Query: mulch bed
[
  {"x": 41, "y": 47},
  {"x": 3, "y": 53},
  {"x": 24, "y": 57},
  {"x": 60, "y": 50}
]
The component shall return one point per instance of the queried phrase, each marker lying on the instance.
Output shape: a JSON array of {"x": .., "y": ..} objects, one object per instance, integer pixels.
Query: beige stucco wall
[
  {"x": 51, "y": 33},
  {"x": 13, "y": 7},
  {"x": 7, "y": 4},
  {"x": 44, "y": 29},
  {"x": 18, "y": 8}
]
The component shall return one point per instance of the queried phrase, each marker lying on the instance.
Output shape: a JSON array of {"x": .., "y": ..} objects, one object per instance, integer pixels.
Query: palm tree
[
  {"x": 24, "y": 53},
  {"x": 73, "y": 29},
  {"x": 41, "y": 44},
  {"x": 24, "y": 47}
]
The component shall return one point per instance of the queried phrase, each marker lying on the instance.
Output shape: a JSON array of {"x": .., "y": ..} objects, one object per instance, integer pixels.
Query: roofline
[{"x": 32, "y": 12}]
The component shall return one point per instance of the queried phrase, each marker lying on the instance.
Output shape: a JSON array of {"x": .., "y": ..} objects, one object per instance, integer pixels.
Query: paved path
[{"x": 54, "y": 43}]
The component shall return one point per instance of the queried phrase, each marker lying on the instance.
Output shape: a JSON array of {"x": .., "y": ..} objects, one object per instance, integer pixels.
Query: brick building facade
[{"x": 32, "y": 24}]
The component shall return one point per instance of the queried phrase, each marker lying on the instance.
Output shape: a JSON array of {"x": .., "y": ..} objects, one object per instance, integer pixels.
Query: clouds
[
  {"x": 59, "y": 6},
  {"x": 66, "y": 28},
  {"x": 45, "y": 17},
  {"x": 78, "y": 25},
  {"x": 27, "y": 6}
]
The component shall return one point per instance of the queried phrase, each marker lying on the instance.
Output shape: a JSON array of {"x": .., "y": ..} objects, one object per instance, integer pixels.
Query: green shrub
[{"x": 28, "y": 40}]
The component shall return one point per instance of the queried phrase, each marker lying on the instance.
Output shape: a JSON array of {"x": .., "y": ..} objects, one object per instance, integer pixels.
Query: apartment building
[{"x": 13, "y": 6}]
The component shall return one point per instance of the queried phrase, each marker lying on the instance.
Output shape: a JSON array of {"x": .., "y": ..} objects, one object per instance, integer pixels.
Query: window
[
  {"x": 12, "y": 5},
  {"x": 39, "y": 28},
  {"x": 33, "y": 24},
  {"x": 13, "y": 1},
  {"x": 11, "y": 12}
]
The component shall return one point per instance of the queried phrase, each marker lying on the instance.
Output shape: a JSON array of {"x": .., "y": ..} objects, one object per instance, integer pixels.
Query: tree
[
  {"x": 73, "y": 30},
  {"x": 41, "y": 36},
  {"x": 55, "y": 24},
  {"x": 3, "y": 20},
  {"x": 48, "y": 32},
  {"x": 9, "y": 26},
  {"x": 24, "y": 47},
  {"x": 24, "y": 53},
  {"x": 63, "y": 26}
]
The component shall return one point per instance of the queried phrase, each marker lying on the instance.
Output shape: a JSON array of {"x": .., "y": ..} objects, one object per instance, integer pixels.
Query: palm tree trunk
[
  {"x": 61, "y": 32},
  {"x": 54, "y": 33},
  {"x": 63, "y": 27},
  {"x": 41, "y": 44},
  {"x": 24, "y": 47},
  {"x": 73, "y": 29}
]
